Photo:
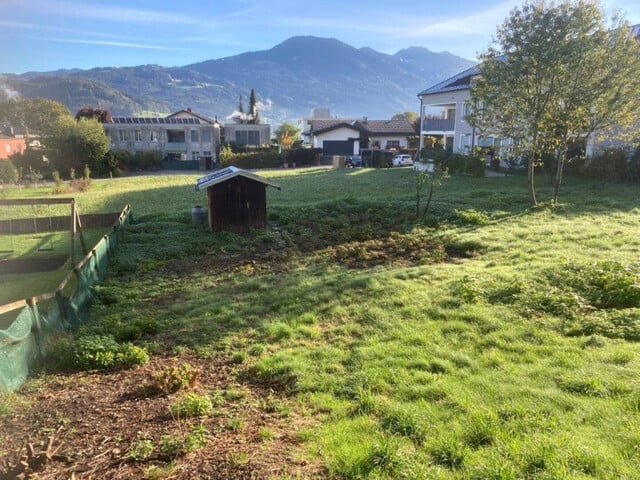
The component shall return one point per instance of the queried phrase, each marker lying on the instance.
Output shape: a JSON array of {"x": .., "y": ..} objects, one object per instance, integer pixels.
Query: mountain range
[{"x": 290, "y": 79}]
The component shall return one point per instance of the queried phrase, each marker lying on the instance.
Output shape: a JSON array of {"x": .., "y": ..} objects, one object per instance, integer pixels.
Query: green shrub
[
  {"x": 263, "y": 158},
  {"x": 634, "y": 166},
  {"x": 471, "y": 217},
  {"x": 8, "y": 172},
  {"x": 303, "y": 156},
  {"x": 192, "y": 405},
  {"x": 609, "y": 165},
  {"x": 141, "y": 449},
  {"x": 100, "y": 352},
  {"x": 172, "y": 379},
  {"x": 605, "y": 285}
]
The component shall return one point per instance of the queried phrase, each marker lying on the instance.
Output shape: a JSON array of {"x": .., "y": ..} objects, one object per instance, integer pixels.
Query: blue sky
[{"x": 43, "y": 35}]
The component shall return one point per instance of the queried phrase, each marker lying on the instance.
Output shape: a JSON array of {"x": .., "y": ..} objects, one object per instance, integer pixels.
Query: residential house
[
  {"x": 348, "y": 137},
  {"x": 185, "y": 139},
  {"x": 247, "y": 134},
  {"x": 10, "y": 146},
  {"x": 444, "y": 106}
]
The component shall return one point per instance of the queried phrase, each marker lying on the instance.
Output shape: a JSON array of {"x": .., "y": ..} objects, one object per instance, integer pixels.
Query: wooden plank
[
  {"x": 12, "y": 306},
  {"x": 36, "y": 201}
]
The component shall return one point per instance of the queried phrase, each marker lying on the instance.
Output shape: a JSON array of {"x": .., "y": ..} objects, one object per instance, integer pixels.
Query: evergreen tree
[{"x": 254, "y": 117}]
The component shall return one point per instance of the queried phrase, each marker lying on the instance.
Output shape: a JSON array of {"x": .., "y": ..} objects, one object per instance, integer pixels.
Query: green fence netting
[{"x": 23, "y": 343}]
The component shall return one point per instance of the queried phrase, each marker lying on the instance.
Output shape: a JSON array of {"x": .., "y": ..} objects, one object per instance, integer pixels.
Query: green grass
[{"x": 500, "y": 362}]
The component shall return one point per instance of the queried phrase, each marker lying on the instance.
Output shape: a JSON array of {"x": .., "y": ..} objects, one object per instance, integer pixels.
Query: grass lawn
[{"x": 490, "y": 340}]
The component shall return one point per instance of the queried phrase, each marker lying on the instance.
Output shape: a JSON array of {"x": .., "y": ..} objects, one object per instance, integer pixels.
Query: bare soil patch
[{"x": 95, "y": 419}]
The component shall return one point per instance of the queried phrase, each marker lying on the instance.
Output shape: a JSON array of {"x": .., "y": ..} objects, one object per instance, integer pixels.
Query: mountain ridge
[{"x": 290, "y": 79}]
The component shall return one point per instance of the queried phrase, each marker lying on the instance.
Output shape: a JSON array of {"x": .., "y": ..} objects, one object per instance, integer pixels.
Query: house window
[
  {"x": 122, "y": 135},
  {"x": 485, "y": 142},
  {"x": 465, "y": 142},
  {"x": 175, "y": 136},
  {"x": 137, "y": 135},
  {"x": 195, "y": 155},
  {"x": 154, "y": 136},
  {"x": 241, "y": 137},
  {"x": 206, "y": 135},
  {"x": 248, "y": 137},
  {"x": 194, "y": 135},
  {"x": 393, "y": 144},
  {"x": 253, "y": 138},
  {"x": 206, "y": 154}
]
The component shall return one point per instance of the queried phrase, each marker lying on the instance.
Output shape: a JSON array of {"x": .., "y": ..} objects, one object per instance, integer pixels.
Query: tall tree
[
  {"x": 556, "y": 73},
  {"x": 241, "y": 117},
  {"x": 74, "y": 144},
  {"x": 36, "y": 115},
  {"x": 287, "y": 134},
  {"x": 254, "y": 116}
]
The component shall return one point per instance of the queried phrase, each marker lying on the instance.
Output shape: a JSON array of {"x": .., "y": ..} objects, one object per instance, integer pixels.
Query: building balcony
[
  {"x": 439, "y": 125},
  {"x": 175, "y": 147}
]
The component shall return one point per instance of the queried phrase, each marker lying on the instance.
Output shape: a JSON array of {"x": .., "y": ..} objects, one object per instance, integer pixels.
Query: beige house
[{"x": 185, "y": 139}]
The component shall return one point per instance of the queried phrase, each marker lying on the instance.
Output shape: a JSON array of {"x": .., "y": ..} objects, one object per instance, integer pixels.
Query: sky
[{"x": 45, "y": 35}]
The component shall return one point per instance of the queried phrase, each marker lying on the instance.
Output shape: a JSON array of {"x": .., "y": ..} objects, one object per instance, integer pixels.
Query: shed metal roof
[{"x": 227, "y": 174}]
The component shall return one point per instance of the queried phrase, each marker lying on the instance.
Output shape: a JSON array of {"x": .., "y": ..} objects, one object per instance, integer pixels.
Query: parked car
[
  {"x": 400, "y": 160},
  {"x": 353, "y": 161}
]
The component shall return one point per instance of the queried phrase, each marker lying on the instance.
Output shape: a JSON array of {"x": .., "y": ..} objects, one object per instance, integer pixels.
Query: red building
[{"x": 11, "y": 146}]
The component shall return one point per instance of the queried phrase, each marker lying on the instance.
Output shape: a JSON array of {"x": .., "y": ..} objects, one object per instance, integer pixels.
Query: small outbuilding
[{"x": 236, "y": 199}]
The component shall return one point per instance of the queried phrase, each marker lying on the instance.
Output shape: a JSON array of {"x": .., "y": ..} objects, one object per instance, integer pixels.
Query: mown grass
[{"x": 477, "y": 344}]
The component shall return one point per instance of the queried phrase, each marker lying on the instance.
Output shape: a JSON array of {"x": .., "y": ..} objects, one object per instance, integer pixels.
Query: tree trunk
[
  {"x": 558, "y": 180},
  {"x": 426, "y": 207},
  {"x": 532, "y": 189}
]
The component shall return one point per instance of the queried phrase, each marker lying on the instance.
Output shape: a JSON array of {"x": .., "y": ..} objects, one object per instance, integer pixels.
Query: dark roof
[
  {"x": 460, "y": 81},
  {"x": 369, "y": 127},
  {"x": 227, "y": 174},
  {"x": 397, "y": 126},
  {"x": 156, "y": 120},
  {"x": 195, "y": 114},
  {"x": 328, "y": 125},
  {"x": 195, "y": 119}
]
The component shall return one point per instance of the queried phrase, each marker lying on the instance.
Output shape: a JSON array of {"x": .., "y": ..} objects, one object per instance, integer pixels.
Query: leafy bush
[
  {"x": 172, "y": 379},
  {"x": 472, "y": 217},
  {"x": 263, "y": 158},
  {"x": 8, "y": 172},
  {"x": 192, "y": 405},
  {"x": 102, "y": 352},
  {"x": 634, "y": 166},
  {"x": 604, "y": 285},
  {"x": 303, "y": 156},
  {"x": 147, "y": 160},
  {"x": 609, "y": 165}
]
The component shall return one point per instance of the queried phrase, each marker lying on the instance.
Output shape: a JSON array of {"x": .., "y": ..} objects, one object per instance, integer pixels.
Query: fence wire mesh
[{"x": 23, "y": 342}]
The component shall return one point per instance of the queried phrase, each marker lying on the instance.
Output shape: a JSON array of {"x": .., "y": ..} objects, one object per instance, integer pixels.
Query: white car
[{"x": 400, "y": 160}]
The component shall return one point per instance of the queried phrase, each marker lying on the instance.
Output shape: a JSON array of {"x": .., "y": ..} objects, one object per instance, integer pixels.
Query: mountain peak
[{"x": 290, "y": 79}]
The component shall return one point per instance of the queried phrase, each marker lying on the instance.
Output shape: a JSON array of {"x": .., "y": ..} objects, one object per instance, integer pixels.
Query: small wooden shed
[{"x": 236, "y": 199}]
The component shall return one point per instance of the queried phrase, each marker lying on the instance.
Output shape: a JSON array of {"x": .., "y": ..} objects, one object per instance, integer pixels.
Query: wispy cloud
[
  {"x": 38, "y": 27},
  {"x": 392, "y": 23},
  {"x": 108, "y": 13},
  {"x": 108, "y": 43}
]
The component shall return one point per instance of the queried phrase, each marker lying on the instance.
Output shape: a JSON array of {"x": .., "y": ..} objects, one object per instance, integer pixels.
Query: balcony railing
[
  {"x": 175, "y": 147},
  {"x": 439, "y": 125}
]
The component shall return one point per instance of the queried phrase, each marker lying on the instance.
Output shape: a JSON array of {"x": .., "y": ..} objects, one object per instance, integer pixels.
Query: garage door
[{"x": 337, "y": 147}]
